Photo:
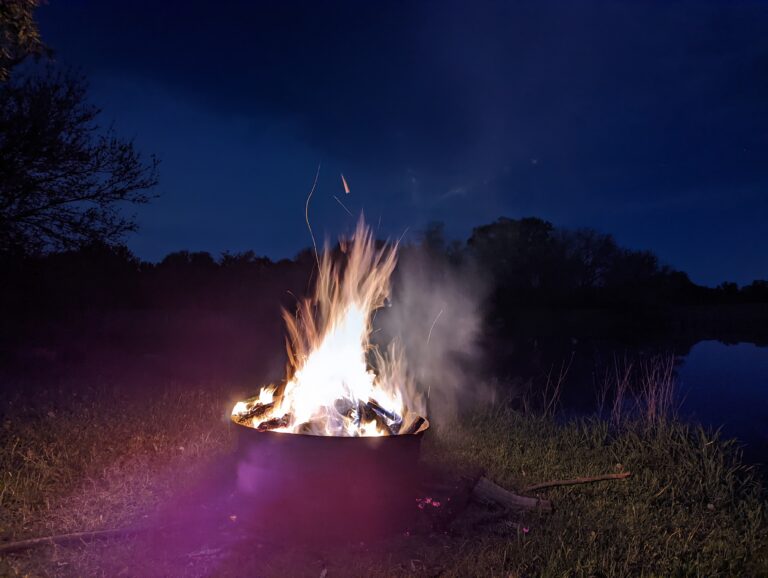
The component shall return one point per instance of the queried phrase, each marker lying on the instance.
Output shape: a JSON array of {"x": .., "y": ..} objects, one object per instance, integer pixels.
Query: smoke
[{"x": 436, "y": 314}]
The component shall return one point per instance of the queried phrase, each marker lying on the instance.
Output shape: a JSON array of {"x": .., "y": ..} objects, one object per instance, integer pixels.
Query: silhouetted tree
[
  {"x": 62, "y": 178},
  {"x": 757, "y": 291},
  {"x": 590, "y": 256},
  {"x": 523, "y": 256}
]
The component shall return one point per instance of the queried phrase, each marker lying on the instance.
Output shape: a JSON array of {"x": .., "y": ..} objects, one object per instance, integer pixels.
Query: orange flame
[{"x": 338, "y": 382}]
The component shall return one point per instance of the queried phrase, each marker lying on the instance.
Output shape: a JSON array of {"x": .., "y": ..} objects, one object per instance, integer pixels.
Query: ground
[{"x": 161, "y": 462}]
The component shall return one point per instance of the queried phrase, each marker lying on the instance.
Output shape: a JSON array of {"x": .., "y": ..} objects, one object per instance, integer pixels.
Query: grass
[
  {"x": 92, "y": 460},
  {"x": 102, "y": 460},
  {"x": 691, "y": 508}
]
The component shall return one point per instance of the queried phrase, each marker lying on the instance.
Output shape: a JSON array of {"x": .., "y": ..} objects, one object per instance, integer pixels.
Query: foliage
[
  {"x": 63, "y": 180},
  {"x": 19, "y": 36},
  {"x": 535, "y": 263}
]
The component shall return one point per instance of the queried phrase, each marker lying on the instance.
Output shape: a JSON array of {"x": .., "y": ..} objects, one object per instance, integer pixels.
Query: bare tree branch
[{"x": 63, "y": 179}]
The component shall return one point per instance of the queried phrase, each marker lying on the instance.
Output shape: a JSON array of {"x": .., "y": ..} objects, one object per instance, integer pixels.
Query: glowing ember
[{"x": 338, "y": 383}]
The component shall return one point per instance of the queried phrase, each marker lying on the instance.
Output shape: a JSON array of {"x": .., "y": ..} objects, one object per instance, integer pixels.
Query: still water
[
  {"x": 727, "y": 385},
  {"x": 718, "y": 385}
]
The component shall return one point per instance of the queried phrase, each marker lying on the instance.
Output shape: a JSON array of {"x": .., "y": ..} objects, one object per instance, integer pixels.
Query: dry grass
[
  {"x": 643, "y": 390},
  {"x": 101, "y": 460},
  {"x": 691, "y": 507},
  {"x": 93, "y": 460}
]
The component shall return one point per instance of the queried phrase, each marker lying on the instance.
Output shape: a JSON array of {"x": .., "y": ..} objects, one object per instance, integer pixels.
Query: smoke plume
[{"x": 436, "y": 314}]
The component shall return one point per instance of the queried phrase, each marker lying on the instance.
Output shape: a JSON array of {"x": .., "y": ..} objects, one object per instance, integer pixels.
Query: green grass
[
  {"x": 93, "y": 460},
  {"x": 691, "y": 508}
]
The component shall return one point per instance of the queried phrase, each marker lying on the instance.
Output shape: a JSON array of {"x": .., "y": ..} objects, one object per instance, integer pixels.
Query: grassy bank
[
  {"x": 691, "y": 508},
  {"x": 93, "y": 461}
]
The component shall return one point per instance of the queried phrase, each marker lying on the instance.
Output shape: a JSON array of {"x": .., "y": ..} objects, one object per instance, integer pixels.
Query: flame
[{"x": 338, "y": 383}]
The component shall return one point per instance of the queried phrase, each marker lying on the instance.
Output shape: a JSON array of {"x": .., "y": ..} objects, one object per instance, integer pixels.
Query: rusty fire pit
[
  {"x": 321, "y": 488},
  {"x": 332, "y": 450}
]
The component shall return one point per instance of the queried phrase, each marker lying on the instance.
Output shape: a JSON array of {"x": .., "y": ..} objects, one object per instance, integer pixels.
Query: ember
[{"x": 338, "y": 383}]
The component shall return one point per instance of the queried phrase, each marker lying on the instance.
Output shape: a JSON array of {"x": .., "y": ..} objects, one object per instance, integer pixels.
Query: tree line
[
  {"x": 528, "y": 263},
  {"x": 65, "y": 183}
]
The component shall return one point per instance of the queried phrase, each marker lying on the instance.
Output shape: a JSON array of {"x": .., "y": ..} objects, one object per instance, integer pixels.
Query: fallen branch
[
  {"x": 576, "y": 481},
  {"x": 68, "y": 538}
]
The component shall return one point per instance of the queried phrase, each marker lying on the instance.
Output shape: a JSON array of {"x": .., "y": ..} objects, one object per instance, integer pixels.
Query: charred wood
[
  {"x": 389, "y": 419},
  {"x": 257, "y": 410},
  {"x": 385, "y": 413},
  {"x": 307, "y": 428},
  {"x": 413, "y": 427},
  {"x": 382, "y": 424},
  {"x": 275, "y": 423}
]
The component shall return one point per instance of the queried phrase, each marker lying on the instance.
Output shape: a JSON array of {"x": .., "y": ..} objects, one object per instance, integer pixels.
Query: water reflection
[
  {"x": 727, "y": 384},
  {"x": 718, "y": 384}
]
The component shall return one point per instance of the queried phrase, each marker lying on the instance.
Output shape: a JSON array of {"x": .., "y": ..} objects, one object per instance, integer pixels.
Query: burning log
[
  {"x": 255, "y": 411},
  {"x": 386, "y": 414},
  {"x": 329, "y": 351},
  {"x": 345, "y": 407},
  {"x": 307, "y": 428},
  {"x": 414, "y": 427},
  {"x": 361, "y": 413},
  {"x": 275, "y": 423},
  {"x": 372, "y": 411},
  {"x": 382, "y": 425}
]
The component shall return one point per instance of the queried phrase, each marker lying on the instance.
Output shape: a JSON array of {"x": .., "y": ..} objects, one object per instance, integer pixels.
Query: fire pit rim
[{"x": 418, "y": 433}]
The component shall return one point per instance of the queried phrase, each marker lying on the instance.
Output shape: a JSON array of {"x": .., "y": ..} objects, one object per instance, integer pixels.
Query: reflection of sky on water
[{"x": 728, "y": 385}]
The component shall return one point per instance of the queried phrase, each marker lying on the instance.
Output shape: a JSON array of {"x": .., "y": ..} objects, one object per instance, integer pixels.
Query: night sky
[{"x": 648, "y": 120}]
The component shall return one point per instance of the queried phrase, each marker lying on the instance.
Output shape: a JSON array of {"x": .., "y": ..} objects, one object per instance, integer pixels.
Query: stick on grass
[
  {"x": 575, "y": 481},
  {"x": 68, "y": 539}
]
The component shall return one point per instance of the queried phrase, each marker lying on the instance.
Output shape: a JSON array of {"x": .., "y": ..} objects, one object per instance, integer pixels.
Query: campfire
[{"x": 338, "y": 383}]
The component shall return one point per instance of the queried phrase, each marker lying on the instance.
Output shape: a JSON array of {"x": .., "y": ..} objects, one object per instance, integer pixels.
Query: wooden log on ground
[
  {"x": 574, "y": 481},
  {"x": 61, "y": 539},
  {"x": 488, "y": 493}
]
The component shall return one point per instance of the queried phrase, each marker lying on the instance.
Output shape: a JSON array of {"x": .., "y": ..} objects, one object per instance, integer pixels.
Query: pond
[
  {"x": 727, "y": 385},
  {"x": 717, "y": 384}
]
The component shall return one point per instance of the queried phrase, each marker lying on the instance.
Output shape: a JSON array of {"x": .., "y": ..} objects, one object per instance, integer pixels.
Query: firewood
[
  {"x": 488, "y": 493},
  {"x": 274, "y": 423},
  {"x": 383, "y": 425},
  {"x": 385, "y": 413},
  {"x": 414, "y": 427},
  {"x": 306, "y": 428},
  {"x": 367, "y": 413},
  {"x": 256, "y": 410},
  {"x": 344, "y": 407}
]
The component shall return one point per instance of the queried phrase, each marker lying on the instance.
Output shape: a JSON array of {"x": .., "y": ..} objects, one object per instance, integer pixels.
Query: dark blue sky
[{"x": 648, "y": 120}]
